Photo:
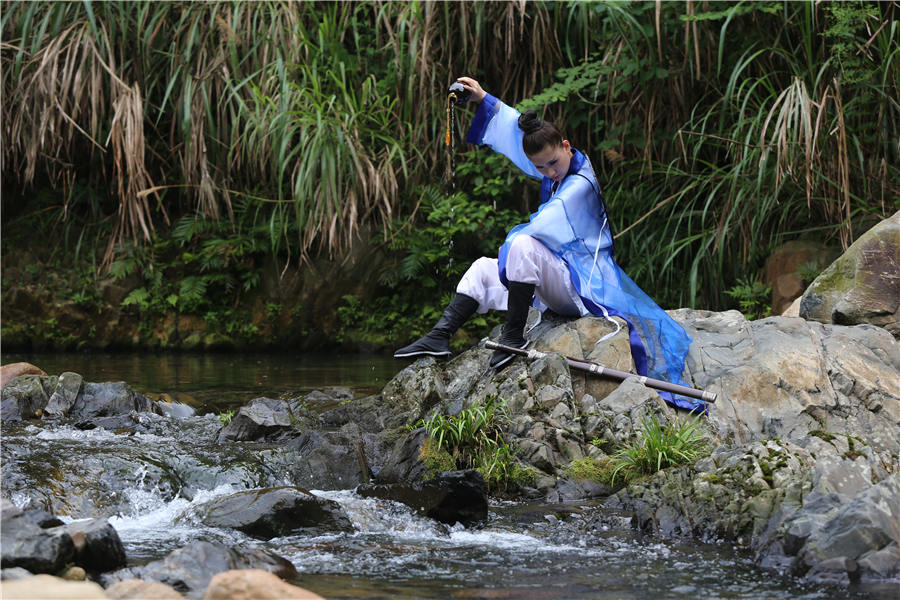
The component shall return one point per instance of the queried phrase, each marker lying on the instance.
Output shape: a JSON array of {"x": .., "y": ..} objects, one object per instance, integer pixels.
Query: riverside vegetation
[{"x": 212, "y": 175}]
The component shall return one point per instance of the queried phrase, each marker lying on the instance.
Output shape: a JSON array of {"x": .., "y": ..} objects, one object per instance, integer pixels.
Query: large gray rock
[
  {"x": 784, "y": 377},
  {"x": 450, "y": 497},
  {"x": 863, "y": 285},
  {"x": 274, "y": 512}
]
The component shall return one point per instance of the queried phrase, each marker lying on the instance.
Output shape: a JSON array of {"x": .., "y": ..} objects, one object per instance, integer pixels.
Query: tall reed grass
[{"x": 719, "y": 128}]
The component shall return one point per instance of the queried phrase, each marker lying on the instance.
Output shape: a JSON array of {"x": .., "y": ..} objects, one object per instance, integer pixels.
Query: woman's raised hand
[{"x": 474, "y": 88}]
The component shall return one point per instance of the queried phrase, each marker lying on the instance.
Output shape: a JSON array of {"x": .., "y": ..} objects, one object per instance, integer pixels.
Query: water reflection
[{"x": 216, "y": 382}]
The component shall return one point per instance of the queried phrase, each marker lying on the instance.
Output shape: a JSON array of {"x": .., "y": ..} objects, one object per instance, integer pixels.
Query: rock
[
  {"x": 260, "y": 418},
  {"x": 47, "y": 587},
  {"x": 782, "y": 378},
  {"x": 863, "y": 285},
  {"x": 135, "y": 589},
  {"x": 15, "y": 573},
  {"x": 25, "y": 544},
  {"x": 110, "y": 399},
  {"x": 13, "y": 370},
  {"x": 254, "y": 584},
  {"x": 413, "y": 391},
  {"x": 449, "y": 497},
  {"x": 333, "y": 460},
  {"x": 783, "y": 266},
  {"x": 867, "y": 521},
  {"x": 25, "y": 397},
  {"x": 100, "y": 549},
  {"x": 274, "y": 512},
  {"x": 63, "y": 398},
  {"x": 189, "y": 570}
]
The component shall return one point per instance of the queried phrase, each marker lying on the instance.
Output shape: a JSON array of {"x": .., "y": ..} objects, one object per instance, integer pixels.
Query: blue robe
[{"x": 572, "y": 222}]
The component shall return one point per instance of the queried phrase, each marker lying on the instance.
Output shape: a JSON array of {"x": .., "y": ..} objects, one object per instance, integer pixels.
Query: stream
[{"x": 524, "y": 550}]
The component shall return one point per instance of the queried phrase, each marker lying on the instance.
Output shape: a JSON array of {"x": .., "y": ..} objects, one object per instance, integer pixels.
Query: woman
[{"x": 561, "y": 259}]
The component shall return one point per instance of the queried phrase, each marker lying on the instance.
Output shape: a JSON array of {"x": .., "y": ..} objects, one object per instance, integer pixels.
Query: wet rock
[
  {"x": 260, "y": 418},
  {"x": 254, "y": 584},
  {"x": 274, "y": 512},
  {"x": 47, "y": 587},
  {"x": 25, "y": 397},
  {"x": 13, "y": 370},
  {"x": 98, "y": 547},
  {"x": 25, "y": 544},
  {"x": 868, "y": 522},
  {"x": 189, "y": 570},
  {"x": 404, "y": 464},
  {"x": 66, "y": 393},
  {"x": 333, "y": 460},
  {"x": 449, "y": 497},
  {"x": 109, "y": 399},
  {"x": 135, "y": 589}
]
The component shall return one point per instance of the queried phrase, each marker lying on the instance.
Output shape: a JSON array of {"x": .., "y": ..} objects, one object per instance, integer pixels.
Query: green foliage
[
  {"x": 473, "y": 440},
  {"x": 754, "y": 298},
  {"x": 226, "y": 416},
  {"x": 659, "y": 447}
]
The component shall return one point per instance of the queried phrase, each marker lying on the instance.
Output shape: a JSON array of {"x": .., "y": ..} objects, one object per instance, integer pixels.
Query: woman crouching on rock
[{"x": 561, "y": 259}]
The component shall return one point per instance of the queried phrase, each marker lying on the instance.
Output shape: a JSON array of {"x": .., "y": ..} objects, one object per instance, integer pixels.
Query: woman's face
[{"x": 553, "y": 161}]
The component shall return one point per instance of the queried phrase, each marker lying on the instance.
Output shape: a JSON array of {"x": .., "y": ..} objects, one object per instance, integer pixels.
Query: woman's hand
[{"x": 474, "y": 88}]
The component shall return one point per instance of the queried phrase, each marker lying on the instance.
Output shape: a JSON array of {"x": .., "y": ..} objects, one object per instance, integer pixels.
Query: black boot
[
  {"x": 520, "y": 295},
  {"x": 437, "y": 341}
]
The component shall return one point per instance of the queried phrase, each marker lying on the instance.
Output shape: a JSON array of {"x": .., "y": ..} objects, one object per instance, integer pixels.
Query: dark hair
[{"x": 538, "y": 133}]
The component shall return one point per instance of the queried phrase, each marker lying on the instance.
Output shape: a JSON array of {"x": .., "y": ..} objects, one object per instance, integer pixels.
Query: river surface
[{"x": 524, "y": 550}]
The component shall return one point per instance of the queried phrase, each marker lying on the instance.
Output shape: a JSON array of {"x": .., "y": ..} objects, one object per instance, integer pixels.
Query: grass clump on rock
[
  {"x": 473, "y": 440},
  {"x": 659, "y": 447}
]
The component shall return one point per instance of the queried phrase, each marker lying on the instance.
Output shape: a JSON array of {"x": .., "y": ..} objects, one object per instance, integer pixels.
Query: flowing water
[{"x": 524, "y": 550}]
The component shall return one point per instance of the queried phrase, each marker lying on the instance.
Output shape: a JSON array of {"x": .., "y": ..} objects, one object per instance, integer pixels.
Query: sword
[{"x": 598, "y": 369}]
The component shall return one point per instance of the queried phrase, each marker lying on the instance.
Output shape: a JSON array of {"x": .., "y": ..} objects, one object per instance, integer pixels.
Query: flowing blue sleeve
[{"x": 497, "y": 125}]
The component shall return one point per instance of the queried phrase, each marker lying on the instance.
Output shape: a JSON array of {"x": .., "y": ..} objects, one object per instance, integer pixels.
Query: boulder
[
  {"x": 48, "y": 587},
  {"x": 189, "y": 570},
  {"x": 254, "y": 584},
  {"x": 25, "y": 397},
  {"x": 274, "y": 512},
  {"x": 449, "y": 497},
  {"x": 784, "y": 377},
  {"x": 863, "y": 285}
]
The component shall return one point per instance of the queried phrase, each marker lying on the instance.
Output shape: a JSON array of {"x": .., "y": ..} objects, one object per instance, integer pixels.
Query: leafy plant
[
  {"x": 226, "y": 416},
  {"x": 473, "y": 440},
  {"x": 659, "y": 447},
  {"x": 753, "y": 297}
]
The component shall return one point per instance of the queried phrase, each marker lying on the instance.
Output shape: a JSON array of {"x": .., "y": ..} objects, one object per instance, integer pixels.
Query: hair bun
[{"x": 529, "y": 122}]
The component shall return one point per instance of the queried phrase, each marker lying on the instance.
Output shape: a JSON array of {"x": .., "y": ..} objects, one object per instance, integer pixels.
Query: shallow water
[{"x": 523, "y": 551}]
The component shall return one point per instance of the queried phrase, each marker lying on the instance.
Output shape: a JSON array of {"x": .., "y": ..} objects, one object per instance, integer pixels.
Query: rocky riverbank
[{"x": 803, "y": 471}]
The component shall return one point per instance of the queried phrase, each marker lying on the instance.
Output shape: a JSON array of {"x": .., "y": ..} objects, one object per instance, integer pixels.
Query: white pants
[{"x": 528, "y": 261}]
